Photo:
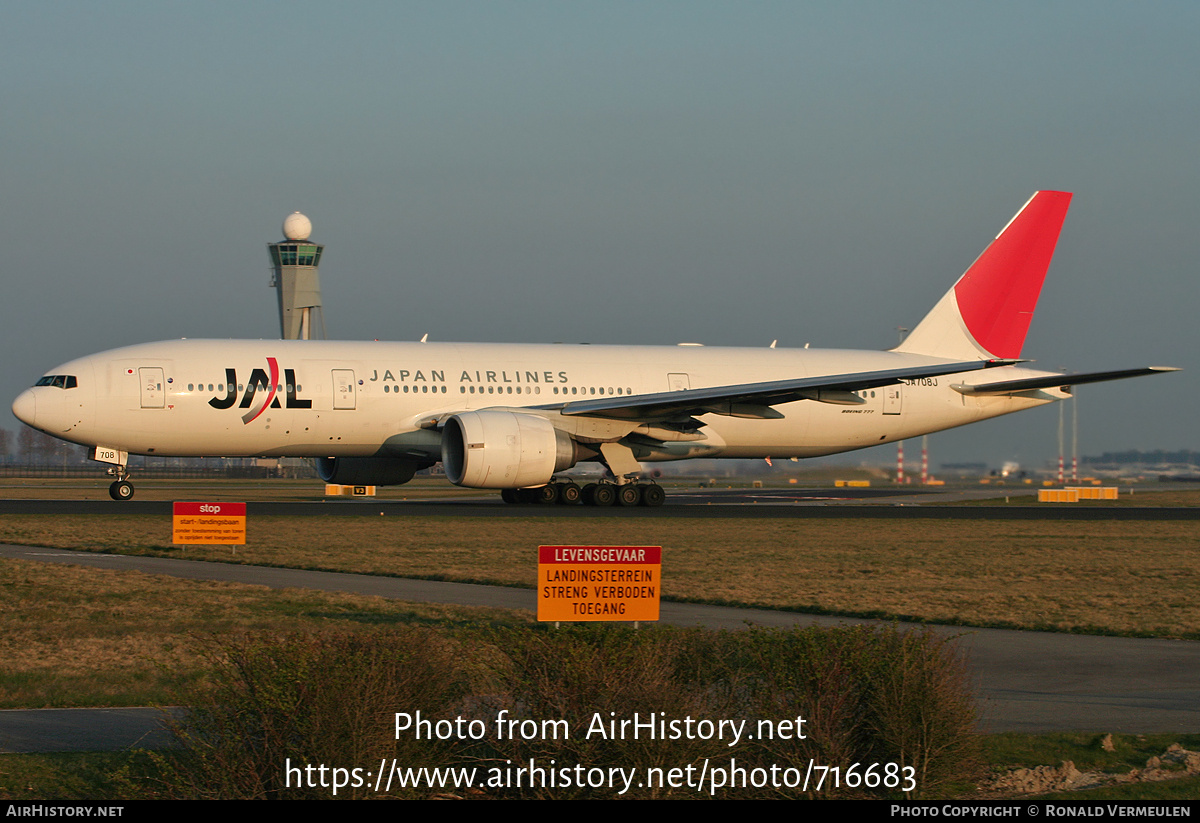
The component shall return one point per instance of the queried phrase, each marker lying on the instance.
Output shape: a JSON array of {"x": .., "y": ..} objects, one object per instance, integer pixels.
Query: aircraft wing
[
  {"x": 1055, "y": 381},
  {"x": 756, "y": 399}
]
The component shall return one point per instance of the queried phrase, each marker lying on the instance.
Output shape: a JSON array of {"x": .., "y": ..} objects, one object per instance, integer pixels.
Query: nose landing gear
[{"x": 121, "y": 488}]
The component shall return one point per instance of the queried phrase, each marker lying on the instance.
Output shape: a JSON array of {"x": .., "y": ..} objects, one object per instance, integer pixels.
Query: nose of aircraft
[{"x": 25, "y": 407}]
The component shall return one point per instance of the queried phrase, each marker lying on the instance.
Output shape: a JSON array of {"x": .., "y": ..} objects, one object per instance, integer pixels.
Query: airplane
[{"x": 513, "y": 416}]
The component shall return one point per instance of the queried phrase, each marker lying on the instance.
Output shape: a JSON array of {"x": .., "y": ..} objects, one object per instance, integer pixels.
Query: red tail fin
[{"x": 990, "y": 307}]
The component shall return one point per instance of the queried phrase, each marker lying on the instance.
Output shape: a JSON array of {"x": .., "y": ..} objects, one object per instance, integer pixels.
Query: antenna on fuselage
[{"x": 297, "y": 280}]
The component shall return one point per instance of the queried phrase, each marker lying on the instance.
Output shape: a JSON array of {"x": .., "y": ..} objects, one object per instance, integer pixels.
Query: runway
[
  {"x": 1028, "y": 681},
  {"x": 875, "y": 503}
]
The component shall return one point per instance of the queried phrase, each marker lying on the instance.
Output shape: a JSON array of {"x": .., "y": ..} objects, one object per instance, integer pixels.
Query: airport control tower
[{"x": 297, "y": 280}]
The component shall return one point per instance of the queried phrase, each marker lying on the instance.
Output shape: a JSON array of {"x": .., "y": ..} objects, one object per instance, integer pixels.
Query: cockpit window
[{"x": 62, "y": 381}]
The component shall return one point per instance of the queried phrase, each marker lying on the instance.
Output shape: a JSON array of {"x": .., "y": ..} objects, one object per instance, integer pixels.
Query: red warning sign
[
  {"x": 577, "y": 583},
  {"x": 209, "y": 523}
]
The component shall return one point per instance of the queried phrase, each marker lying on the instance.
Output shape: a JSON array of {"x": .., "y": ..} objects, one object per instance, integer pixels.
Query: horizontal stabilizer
[{"x": 1054, "y": 381}]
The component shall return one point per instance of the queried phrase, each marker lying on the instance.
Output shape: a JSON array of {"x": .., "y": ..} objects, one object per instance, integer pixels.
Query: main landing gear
[
  {"x": 121, "y": 488},
  {"x": 593, "y": 494}
]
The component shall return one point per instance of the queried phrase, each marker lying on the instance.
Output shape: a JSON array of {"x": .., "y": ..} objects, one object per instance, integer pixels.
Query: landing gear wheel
[
  {"x": 547, "y": 494},
  {"x": 120, "y": 490},
  {"x": 628, "y": 495},
  {"x": 653, "y": 496},
  {"x": 569, "y": 494},
  {"x": 602, "y": 495},
  {"x": 509, "y": 496}
]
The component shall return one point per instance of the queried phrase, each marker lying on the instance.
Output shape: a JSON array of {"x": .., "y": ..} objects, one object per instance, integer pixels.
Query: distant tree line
[
  {"x": 32, "y": 447},
  {"x": 31, "y": 450},
  {"x": 1183, "y": 456}
]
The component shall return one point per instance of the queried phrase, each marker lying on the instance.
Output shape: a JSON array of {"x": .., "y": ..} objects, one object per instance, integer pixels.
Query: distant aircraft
[{"x": 511, "y": 416}]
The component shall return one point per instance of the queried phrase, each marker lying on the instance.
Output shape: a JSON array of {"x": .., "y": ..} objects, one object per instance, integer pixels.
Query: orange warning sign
[
  {"x": 599, "y": 582},
  {"x": 210, "y": 523}
]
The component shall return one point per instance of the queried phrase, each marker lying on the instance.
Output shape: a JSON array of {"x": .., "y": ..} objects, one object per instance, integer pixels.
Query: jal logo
[{"x": 262, "y": 392}]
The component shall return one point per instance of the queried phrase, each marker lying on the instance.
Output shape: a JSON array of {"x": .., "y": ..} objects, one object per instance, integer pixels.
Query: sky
[{"x": 610, "y": 172}]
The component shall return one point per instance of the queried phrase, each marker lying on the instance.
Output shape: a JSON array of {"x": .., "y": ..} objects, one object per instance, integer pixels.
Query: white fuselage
[{"x": 344, "y": 399}]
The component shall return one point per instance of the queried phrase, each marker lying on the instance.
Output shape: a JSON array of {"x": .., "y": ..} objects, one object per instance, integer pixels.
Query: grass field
[
  {"x": 76, "y": 637},
  {"x": 91, "y": 637},
  {"x": 1134, "y": 578}
]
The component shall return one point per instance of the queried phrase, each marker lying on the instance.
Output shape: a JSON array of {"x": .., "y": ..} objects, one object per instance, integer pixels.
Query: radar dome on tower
[{"x": 297, "y": 227}]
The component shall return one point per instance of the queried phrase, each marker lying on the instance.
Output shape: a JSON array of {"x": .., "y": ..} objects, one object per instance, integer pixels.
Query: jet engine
[
  {"x": 367, "y": 471},
  {"x": 495, "y": 449}
]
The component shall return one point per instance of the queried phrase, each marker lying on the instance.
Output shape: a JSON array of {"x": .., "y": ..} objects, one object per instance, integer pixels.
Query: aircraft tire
[
  {"x": 509, "y": 496},
  {"x": 629, "y": 495},
  {"x": 547, "y": 495},
  {"x": 569, "y": 494},
  {"x": 604, "y": 495},
  {"x": 120, "y": 490},
  {"x": 653, "y": 496}
]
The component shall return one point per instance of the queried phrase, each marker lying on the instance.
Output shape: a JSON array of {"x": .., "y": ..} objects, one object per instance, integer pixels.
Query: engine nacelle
[
  {"x": 495, "y": 449},
  {"x": 367, "y": 471}
]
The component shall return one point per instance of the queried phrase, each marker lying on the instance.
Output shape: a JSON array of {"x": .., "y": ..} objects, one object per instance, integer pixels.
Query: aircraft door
[
  {"x": 343, "y": 388},
  {"x": 678, "y": 382},
  {"x": 892, "y": 398},
  {"x": 153, "y": 394}
]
